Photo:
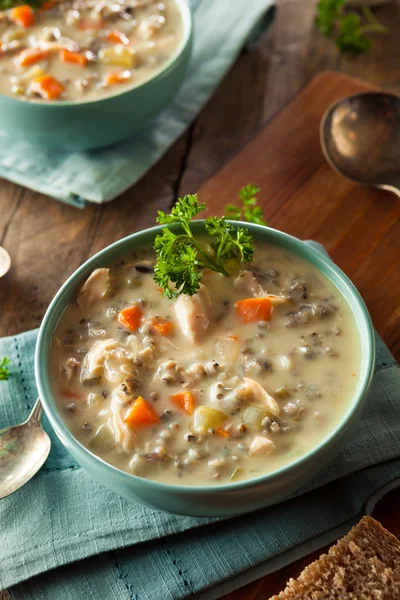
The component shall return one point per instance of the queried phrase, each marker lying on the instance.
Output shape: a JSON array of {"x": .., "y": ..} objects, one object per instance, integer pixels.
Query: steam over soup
[
  {"x": 85, "y": 49},
  {"x": 243, "y": 377}
]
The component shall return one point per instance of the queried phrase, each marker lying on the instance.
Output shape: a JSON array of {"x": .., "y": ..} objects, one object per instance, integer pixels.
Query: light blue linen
[
  {"x": 221, "y": 29},
  {"x": 63, "y": 516}
]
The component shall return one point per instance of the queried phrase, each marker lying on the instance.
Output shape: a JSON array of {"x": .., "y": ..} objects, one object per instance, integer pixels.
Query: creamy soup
[
  {"x": 236, "y": 381},
  {"x": 85, "y": 49}
]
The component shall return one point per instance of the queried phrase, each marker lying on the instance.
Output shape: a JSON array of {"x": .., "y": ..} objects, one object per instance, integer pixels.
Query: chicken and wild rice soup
[
  {"x": 233, "y": 382},
  {"x": 85, "y": 49}
]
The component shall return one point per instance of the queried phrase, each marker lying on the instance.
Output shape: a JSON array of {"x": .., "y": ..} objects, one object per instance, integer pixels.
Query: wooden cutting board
[{"x": 303, "y": 196}]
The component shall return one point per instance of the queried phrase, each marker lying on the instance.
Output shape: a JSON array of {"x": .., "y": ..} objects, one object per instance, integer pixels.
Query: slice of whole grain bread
[{"x": 363, "y": 565}]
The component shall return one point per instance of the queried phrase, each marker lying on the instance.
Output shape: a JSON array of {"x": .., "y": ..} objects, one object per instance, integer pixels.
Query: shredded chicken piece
[
  {"x": 248, "y": 282},
  {"x": 70, "y": 368},
  {"x": 253, "y": 391},
  {"x": 145, "y": 350},
  {"x": 193, "y": 314},
  {"x": 94, "y": 289},
  {"x": 93, "y": 364},
  {"x": 122, "y": 433},
  {"x": 261, "y": 445},
  {"x": 227, "y": 352}
]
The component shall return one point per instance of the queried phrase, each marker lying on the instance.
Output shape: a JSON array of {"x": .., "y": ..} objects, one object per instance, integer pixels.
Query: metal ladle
[{"x": 360, "y": 137}]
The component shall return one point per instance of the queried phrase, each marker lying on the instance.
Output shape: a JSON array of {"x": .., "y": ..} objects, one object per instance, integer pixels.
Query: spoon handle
[{"x": 37, "y": 412}]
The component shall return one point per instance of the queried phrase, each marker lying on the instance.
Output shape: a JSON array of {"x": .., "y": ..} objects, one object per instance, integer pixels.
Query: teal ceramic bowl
[
  {"x": 78, "y": 126},
  {"x": 213, "y": 500}
]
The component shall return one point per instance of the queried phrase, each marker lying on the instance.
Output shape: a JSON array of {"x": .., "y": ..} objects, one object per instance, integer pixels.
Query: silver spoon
[
  {"x": 23, "y": 450},
  {"x": 360, "y": 137}
]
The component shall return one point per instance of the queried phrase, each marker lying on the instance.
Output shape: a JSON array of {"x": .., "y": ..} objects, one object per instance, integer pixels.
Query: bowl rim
[
  {"x": 187, "y": 30},
  {"x": 262, "y": 233}
]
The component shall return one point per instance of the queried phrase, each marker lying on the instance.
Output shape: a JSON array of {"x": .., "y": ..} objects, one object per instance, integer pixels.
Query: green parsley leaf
[
  {"x": 250, "y": 211},
  {"x": 182, "y": 212},
  {"x": 233, "y": 212},
  {"x": 328, "y": 11},
  {"x": 4, "y": 371},
  {"x": 181, "y": 257},
  {"x": 347, "y": 28},
  {"x": 350, "y": 38},
  {"x": 230, "y": 241}
]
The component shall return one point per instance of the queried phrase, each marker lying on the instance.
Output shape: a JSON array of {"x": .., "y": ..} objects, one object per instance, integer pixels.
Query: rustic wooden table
[{"x": 48, "y": 240}]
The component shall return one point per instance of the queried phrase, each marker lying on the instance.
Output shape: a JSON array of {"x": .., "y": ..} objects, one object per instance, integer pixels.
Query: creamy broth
[
  {"x": 228, "y": 394},
  {"x": 85, "y": 49}
]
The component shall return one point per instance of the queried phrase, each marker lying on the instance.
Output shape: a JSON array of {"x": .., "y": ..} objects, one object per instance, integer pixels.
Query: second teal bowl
[
  {"x": 79, "y": 126},
  {"x": 215, "y": 500}
]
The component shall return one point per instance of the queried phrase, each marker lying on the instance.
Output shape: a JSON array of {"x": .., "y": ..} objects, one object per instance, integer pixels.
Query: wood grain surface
[{"x": 48, "y": 240}]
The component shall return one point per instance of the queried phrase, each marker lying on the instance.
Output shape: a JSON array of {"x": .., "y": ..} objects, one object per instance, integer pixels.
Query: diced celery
[
  {"x": 253, "y": 416},
  {"x": 206, "y": 418},
  {"x": 282, "y": 392},
  {"x": 34, "y": 72},
  {"x": 118, "y": 55}
]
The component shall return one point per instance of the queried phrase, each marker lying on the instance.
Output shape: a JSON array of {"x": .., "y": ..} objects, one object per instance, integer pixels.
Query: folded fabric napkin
[
  {"x": 221, "y": 29},
  {"x": 63, "y": 515}
]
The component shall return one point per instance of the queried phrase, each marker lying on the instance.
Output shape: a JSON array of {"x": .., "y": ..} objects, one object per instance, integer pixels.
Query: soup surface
[
  {"x": 85, "y": 49},
  {"x": 231, "y": 383}
]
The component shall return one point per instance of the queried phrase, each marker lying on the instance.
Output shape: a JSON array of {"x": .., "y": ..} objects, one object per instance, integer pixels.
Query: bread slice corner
[{"x": 363, "y": 565}]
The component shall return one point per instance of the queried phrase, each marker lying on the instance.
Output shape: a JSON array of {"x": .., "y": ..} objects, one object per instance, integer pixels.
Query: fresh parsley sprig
[
  {"x": 181, "y": 256},
  {"x": 4, "y": 370},
  {"x": 351, "y": 34},
  {"x": 249, "y": 211}
]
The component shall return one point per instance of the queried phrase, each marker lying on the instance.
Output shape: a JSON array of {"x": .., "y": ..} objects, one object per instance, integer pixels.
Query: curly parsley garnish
[
  {"x": 249, "y": 211},
  {"x": 181, "y": 257},
  {"x": 349, "y": 31},
  {"x": 4, "y": 371}
]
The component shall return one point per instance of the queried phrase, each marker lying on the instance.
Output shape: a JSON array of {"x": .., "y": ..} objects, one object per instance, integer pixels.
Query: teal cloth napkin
[
  {"x": 128, "y": 552},
  {"x": 221, "y": 29}
]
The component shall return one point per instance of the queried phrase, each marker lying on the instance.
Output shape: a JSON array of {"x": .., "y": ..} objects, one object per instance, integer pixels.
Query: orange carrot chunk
[
  {"x": 222, "y": 433},
  {"x": 23, "y": 15},
  {"x": 141, "y": 414},
  {"x": 254, "y": 309},
  {"x": 163, "y": 326},
  {"x": 113, "y": 78},
  {"x": 131, "y": 317},
  {"x": 117, "y": 37},
  {"x": 48, "y": 87},
  {"x": 76, "y": 58},
  {"x": 185, "y": 401},
  {"x": 30, "y": 56}
]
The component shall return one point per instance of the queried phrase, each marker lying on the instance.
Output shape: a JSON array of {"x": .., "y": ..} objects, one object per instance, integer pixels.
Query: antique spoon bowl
[{"x": 23, "y": 450}]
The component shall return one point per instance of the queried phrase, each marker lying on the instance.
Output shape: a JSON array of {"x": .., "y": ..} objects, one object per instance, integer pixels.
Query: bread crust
[{"x": 363, "y": 565}]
